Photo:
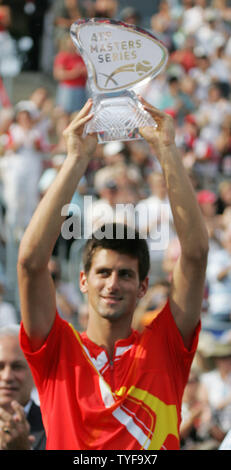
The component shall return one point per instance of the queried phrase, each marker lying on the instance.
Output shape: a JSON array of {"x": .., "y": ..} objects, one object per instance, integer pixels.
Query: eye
[
  {"x": 126, "y": 274},
  {"x": 18, "y": 366},
  {"x": 103, "y": 272}
]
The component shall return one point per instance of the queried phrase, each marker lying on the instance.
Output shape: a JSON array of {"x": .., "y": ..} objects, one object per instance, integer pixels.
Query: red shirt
[
  {"x": 89, "y": 404},
  {"x": 185, "y": 58},
  {"x": 68, "y": 61}
]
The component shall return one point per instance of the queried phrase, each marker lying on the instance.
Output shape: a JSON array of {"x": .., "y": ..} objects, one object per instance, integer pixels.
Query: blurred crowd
[{"x": 195, "y": 88}]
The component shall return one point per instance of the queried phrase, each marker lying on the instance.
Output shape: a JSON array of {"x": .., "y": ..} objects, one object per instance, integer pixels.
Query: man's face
[
  {"x": 15, "y": 377},
  {"x": 112, "y": 285}
]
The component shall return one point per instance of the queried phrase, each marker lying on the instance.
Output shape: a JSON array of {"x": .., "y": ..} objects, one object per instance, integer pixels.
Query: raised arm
[
  {"x": 36, "y": 289},
  {"x": 189, "y": 273}
]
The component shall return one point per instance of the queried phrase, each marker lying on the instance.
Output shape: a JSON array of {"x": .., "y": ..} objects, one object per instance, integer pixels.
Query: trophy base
[{"x": 118, "y": 116}]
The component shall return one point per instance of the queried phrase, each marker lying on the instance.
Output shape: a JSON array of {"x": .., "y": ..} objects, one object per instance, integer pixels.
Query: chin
[{"x": 112, "y": 316}]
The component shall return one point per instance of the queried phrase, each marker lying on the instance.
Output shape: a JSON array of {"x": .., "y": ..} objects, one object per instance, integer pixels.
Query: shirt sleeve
[
  {"x": 175, "y": 335},
  {"x": 43, "y": 362}
]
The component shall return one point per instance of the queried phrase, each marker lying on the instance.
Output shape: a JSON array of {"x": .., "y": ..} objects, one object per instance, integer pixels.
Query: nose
[{"x": 113, "y": 282}]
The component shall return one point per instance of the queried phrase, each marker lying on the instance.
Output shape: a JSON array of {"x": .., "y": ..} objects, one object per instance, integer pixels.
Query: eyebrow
[
  {"x": 120, "y": 270},
  {"x": 127, "y": 270}
]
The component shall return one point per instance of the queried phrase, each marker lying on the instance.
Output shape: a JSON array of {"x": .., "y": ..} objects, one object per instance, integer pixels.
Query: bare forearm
[
  {"x": 36, "y": 287},
  {"x": 188, "y": 219},
  {"x": 187, "y": 284},
  {"x": 40, "y": 237}
]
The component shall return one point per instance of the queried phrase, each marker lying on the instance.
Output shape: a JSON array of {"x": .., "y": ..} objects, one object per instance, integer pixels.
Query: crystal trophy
[{"x": 119, "y": 58}]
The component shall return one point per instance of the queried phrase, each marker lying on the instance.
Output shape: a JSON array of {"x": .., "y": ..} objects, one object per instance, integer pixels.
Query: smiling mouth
[
  {"x": 111, "y": 299},
  {"x": 8, "y": 389}
]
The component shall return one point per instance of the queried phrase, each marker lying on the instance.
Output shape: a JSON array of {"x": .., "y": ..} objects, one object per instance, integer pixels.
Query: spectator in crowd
[
  {"x": 130, "y": 15},
  {"x": 224, "y": 195},
  {"x": 9, "y": 60},
  {"x": 60, "y": 121},
  {"x": 127, "y": 164},
  {"x": 71, "y": 73},
  {"x": 21, "y": 426},
  {"x": 198, "y": 429},
  {"x": 44, "y": 104},
  {"x": 192, "y": 410},
  {"x": 186, "y": 138},
  {"x": 225, "y": 220},
  {"x": 170, "y": 257},
  {"x": 217, "y": 385},
  {"x": 66, "y": 295},
  {"x": 140, "y": 157},
  {"x": 6, "y": 119},
  {"x": 113, "y": 153},
  {"x": 163, "y": 24},
  {"x": 8, "y": 314},
  {"x": 65, "y": 13},
  {"x": 207, "y": 201},
  {"x": 192, "y": 17},
  {"x": 201, "y": 75},
  {"x": 151, "y": 304},
  {"x": 220, "y": 67},
  {"x": 155, "y": 222},
  {"x": 210, "y": 34},
  {"x": 109, "y": 182},
  {"x": 105, "y": 8},
  {"x": 22, "y": 166},
  {"x": 5, "y": 16},
  {"x": 176, "y": 99},
  {"x": 211, "y": 113},
  {"x": 223, "y": 146},
  {"x": 83, "y": 316},
  {"x": 219, "y": 280},
  {"x": 185, "y": 56}
]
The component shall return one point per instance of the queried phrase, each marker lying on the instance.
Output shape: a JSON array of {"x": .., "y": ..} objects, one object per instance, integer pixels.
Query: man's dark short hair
[{"x": 122, "y": 239}]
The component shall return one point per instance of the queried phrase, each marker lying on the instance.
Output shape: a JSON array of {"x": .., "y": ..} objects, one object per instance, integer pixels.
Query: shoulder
[{"x": 60, "y": 329}]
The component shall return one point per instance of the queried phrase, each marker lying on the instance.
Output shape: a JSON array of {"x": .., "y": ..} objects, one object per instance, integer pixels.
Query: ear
[
  {"x": 143, "y": 288},
  {"x": 83, "y": 285}
]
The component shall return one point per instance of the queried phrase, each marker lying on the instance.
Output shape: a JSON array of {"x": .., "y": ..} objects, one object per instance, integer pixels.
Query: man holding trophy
[{"x": 111, "y": 387}]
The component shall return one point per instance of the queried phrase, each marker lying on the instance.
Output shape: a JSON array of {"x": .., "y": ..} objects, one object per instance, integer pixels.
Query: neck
[{"x": 105, "y": 333}]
